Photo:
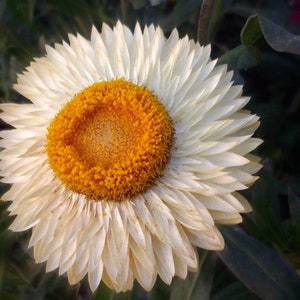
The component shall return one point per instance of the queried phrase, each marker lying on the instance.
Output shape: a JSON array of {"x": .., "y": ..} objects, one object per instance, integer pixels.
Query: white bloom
[{"x": 151, "y": 224}]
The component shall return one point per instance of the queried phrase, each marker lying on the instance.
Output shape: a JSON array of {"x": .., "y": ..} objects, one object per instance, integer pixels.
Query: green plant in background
[{"x": 261, "y": 259}]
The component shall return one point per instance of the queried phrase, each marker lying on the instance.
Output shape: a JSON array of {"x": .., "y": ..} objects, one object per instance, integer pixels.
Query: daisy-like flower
[{"x": 131, "y": 151}]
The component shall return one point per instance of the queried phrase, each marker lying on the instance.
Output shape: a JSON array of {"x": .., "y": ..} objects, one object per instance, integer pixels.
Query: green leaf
[
  {"x": 276, "y": 36},
  {"x": 242, "y": 57},
  {"x": 251, "y": 34},
  {"x": 265, "y": 199},
  {"x": 103, "y": 292},
  {"x": 257, "y": 30},
  {"x": 260, "y": 268},
  {"x": 234, "y": 291},
  {"x": 122, "y": 296}
]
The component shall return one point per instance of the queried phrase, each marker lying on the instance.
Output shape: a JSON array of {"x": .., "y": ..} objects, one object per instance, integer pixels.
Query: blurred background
[{"x": 259, "y": 40}]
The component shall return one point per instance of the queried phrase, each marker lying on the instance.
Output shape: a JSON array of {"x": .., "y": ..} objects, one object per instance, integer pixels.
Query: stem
[
  {"x": 125, "y": 6},
  {"x": 203, "y": 22}
]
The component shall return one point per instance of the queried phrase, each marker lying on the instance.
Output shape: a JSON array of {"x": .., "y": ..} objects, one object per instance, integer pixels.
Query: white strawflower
[{"x": 132, "y": 150}]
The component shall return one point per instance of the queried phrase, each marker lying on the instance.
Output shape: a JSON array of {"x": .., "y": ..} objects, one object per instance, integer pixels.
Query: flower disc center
[{"x": 110, "y": 141}]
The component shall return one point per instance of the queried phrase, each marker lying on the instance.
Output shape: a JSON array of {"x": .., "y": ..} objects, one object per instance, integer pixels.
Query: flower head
[{"x": 131, "y": 151}]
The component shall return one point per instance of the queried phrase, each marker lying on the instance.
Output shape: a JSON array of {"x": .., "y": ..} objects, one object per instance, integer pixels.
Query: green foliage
[
  {"x": 262, "y": 258},
  {"x": 256, "y": 30},
  {"x": 278, "y": 38},
  {"x": 241, "y": 57},
  {"x": 260, "y": 268}
]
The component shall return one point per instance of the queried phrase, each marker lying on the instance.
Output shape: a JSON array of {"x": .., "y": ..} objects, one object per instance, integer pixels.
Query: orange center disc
[{"x": 110, "y": 141}]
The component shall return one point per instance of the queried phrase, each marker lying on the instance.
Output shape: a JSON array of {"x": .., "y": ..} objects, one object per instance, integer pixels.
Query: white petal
[
  {"x": 164, "y": 260},
  {"x": 210, "y": 239},
  {"x": 95, "y": 275}
]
